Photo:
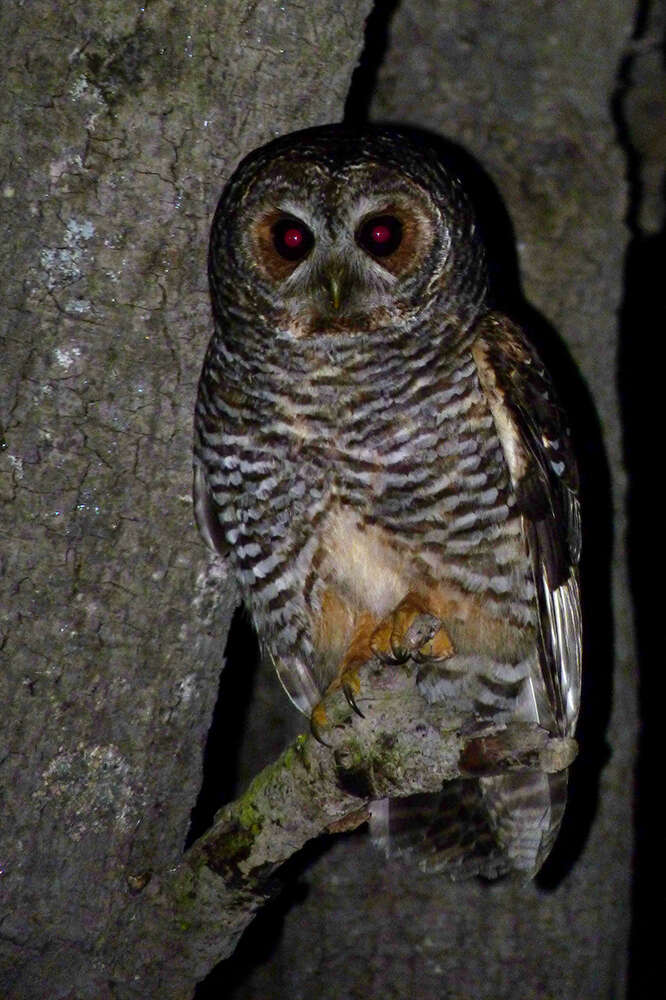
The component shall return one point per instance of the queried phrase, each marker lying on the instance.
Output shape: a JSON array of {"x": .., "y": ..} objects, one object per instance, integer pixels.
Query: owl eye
[
  {"x": 292, "y": 239},
  {"x": 380, "y": 236}
]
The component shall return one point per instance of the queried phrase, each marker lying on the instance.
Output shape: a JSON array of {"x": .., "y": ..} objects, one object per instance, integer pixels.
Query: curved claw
[
  {"x": 317, "y": 721},
  {"x": 438, "y": 647},
  {"x": 349, "y": 695}
]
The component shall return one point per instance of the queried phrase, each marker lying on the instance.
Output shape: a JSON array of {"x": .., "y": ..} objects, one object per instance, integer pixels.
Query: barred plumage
[{"x": 366, "y": 429}]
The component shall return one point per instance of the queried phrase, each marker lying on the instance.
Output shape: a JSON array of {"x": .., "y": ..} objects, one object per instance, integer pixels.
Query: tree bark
[{"x": 120, "y": 124}]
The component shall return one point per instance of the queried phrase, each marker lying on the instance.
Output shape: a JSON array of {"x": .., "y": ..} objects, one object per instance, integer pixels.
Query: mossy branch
[{"x": 401, "y": 745}]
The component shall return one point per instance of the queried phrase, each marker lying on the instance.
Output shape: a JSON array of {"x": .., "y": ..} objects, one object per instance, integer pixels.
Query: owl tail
[
  {"x": 486, "y": 827},
  {"x": 526, "y": 812}
]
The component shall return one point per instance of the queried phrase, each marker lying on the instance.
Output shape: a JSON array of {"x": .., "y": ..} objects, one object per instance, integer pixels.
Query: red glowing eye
[
  {"x": 292, "y": 239},
  {"x": 380, "y": 236}
]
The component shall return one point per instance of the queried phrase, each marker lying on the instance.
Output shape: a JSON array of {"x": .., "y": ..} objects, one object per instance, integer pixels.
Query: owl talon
[
  {"x": 382, "y": 644},
  {"x": 319, "y": 721},
  {"x": 411, "y": 630},
  {"x": 438, "y": 647},
  {"x": 350, "y": 684},
  {"x": 349, "y": 695}
]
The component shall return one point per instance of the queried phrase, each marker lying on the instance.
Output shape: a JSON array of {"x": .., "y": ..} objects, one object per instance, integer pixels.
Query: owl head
[{"x": 344, "y": 229}]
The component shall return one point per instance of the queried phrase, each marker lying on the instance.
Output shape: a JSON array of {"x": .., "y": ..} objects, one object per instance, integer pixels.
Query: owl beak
[{"x": 334, "y": 285}]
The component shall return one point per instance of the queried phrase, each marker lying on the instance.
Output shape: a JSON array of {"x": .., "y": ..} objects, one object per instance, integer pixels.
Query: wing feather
[
  {"x": 534, "y": 436},
  {"x": 205, "y": 512}
]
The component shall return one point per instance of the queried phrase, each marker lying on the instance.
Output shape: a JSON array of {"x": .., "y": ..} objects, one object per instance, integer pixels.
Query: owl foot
[
  {"x": 358, "y": 652},
  {"x": 319, "y": 723},
  {"x": 350, "y": 683},
  {"x": 411, "y": 630}
]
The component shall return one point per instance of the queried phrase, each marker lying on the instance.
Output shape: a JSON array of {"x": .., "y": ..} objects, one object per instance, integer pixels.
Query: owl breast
[{"x": 344, "y": 489}]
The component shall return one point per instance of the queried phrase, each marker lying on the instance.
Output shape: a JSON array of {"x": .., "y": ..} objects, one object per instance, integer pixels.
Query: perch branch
[{"x": 401, "y": 745}]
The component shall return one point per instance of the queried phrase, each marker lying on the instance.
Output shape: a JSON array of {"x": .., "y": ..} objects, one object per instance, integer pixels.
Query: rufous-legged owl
[{"x": 373, "y": 442}]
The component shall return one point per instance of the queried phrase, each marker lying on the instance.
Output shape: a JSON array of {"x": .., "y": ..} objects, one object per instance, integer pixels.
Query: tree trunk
[{"x": 120, "y": 123}]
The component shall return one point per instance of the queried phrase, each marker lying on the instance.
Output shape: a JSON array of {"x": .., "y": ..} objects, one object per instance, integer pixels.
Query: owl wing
[
  {"x": 205, "y": 513},
  {"x": 533, "y": 433}
]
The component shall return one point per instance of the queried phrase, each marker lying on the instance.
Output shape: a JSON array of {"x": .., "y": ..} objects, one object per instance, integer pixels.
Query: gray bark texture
[{"x": 119, "y": 124}]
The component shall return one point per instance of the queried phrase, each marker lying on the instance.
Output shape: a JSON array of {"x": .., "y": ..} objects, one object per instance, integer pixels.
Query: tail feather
[{"x": 484, "y": 827}]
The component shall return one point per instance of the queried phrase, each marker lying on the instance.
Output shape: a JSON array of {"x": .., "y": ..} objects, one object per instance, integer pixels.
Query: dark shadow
[
  {"x": 596, "y": 596},
  {"x": 259, "y": 943},
  {"x": 642, "y": 322},
  {"x": 643, "y": 315},
  {"x": 225, "y": 736},
  {"x": 261, "y": 940},
  {"x": 364, "y": 78}
]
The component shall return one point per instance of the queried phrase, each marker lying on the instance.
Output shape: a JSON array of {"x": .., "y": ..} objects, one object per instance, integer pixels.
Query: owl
[{"x": 374, "y": 443}]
